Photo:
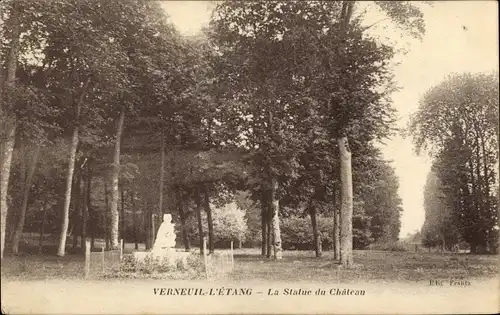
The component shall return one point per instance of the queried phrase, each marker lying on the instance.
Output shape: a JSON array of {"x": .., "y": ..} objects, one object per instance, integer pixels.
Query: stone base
[{"x": 164, "y": 256}]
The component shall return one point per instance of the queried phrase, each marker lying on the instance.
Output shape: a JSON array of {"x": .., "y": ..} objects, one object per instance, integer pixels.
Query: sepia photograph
[{"x": 249, "y": 157}]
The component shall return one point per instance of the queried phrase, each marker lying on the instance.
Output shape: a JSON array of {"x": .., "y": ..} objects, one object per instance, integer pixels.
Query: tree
[
  {"x": 323, "y": 67},
  {"x": 453, "y": 125},
  {"x": 377, "y": 191},
  {"x": 261, "y": 96},
  {"x": 439, "y": 225},
  {"x": 8, "y": 122},
  {"x": 348, "y": 110},
  {"x": 75, "y": 53}
]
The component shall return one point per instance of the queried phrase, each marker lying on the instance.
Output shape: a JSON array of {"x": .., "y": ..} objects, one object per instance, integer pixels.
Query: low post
[
  {"x": 232, "y": 256},
  {"x": 121, "y": 249},
  {"x": 102, "y": 259},
  {"x": 205, "y": 258},
  {"x": 87, "y": 258}
]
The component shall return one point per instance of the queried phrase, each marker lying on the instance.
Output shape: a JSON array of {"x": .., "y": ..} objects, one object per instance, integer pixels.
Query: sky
[{"x": 461, "y": 36}]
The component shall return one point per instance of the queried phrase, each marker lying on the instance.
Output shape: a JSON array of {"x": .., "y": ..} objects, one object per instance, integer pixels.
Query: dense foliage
[
  {"x": 457, "y": 123},
  {"x": 114, "y": 118}
]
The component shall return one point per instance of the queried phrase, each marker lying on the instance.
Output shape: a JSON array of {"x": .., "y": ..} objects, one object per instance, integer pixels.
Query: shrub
[
  {"x": 391, "y": 246},
  {"x": 195, "y": 262},
  {"x": 229, "y": 225},
  {"x": 296, "y": 232},
  {"x": 191, "y": 267}
]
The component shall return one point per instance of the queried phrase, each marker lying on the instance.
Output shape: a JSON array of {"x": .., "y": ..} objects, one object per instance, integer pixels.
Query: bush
[
  {"x": 391, "y": 246},
  {"x": 192, "y": 268},
  {"x": 229, "y": 225},
  {"x": 296, "y": 233}
]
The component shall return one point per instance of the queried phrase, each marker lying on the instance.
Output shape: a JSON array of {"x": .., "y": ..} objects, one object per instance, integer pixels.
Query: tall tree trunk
[
  {"x": 134, "y": 219},
  {"x": 122, "y": 218},
  {"x": 346, "y": 210},
  {"x": 336, "y": 223},
  {"x": 67, "y": 198},
  {"x": 162, "y": 171},
  {"x": 147, "y": 229},
  {"x": 69, "y": 178},
  {"x": 84, "y": 211},
  {"x": 114, "y": 181},
  {"x": 208, "y": 210},
  {"x": 197, "y": 199},
  {"x": 78, "y": 208},
  {"x": 182, "y": 217},
  {"x": 8, "y": 122},
  {"x": 269, "y": 239},
  {"x": 316, "y": 236},
  {"x": 153, "y": 228},
  {"x": 347, "y": 204},
  {"x": 263, "y": 216},
  {"x": 93, "y": 218},
  {"x": 28, "y": 178},
  {"x": 278, "y": 250},
  {"x": 336, "y": 234},
  {"x": 42, "y": 228},
  {"x": 107, "y": 233}
]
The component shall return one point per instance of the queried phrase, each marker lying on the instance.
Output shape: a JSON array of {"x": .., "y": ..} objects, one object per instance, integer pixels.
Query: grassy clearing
[
  {"x": 295, "y": 266},
  {"x": 369, "y": 265}
]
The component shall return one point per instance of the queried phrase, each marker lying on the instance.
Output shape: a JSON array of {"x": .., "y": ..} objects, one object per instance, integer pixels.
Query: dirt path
[{"x": 137, "y": 296}]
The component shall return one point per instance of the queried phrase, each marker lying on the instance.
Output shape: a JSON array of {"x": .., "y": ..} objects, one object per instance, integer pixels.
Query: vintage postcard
[{"x": 249, "y": 157}]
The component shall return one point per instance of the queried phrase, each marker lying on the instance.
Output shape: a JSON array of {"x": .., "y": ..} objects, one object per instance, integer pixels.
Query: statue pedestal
[{"x": 163, "y": 250}]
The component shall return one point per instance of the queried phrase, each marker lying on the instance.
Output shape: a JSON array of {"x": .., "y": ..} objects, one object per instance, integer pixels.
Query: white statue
[
  {"x": 163, "y": 250},
  {"x": 165, "y": 238}
]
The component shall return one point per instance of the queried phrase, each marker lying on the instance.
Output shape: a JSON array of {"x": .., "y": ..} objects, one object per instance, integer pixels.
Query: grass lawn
[
  {"x": 369, "y": 265},
  {"x": 296, "y": 266},
  {"x": 395, "y": 282}
]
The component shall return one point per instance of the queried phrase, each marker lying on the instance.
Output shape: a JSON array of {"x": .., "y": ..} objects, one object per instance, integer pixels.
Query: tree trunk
[
  {"x": 26, "y": 189},
  {"x": 71, "y": 168},
  {"x": 336, "y": 234},
  {"x": 106, "y": 217},
  {"x": 278, "y": 251},
  {"x": 147, "y": 230},
  {"x": 162, "y": 171},
  {"x": 197, "y": 199},
  {"x": 67, "y": 198},
  {"x": 122, "y": 218},
  {"x": 263, "y": 215},
  {"x": 84, "y": 211},
  {"x": 114, "y": 181},
  {"x": 134, "y": 219},
  {"x": 269, "y": 239},
  {"x": 8, "y": 124},
  {"x": 42, "y": 228},
  {"x": 206, "y": 205},
  {"x": 77, "y": 217},
  {"x": 93, "y": 218},
  {"x": 316, "y": 236},
  {"x": 473, "y": 248},
  {"x": 346, "y": 258},
  {"x": 153, "y": 228},
  {"x": 182, "y": 217},
  {"x": 346, "y": 209}
]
